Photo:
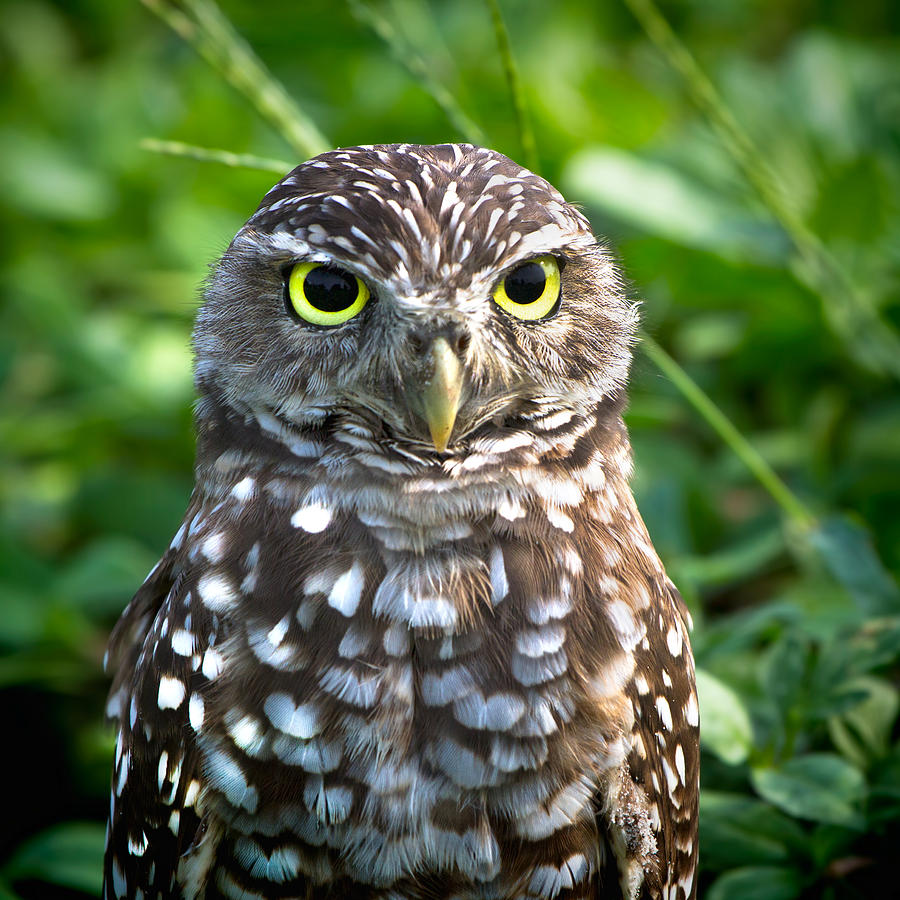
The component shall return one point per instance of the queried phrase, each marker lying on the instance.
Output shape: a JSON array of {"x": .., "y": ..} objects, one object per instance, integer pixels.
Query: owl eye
[
  {"x": 324, "y": 295},
  {"x": 530, "y": 291}
]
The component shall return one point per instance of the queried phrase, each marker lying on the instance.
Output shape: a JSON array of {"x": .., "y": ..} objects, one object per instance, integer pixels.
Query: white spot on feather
[
  {"x": 548, "y": 881},
  {"x": 354, "y": 642},
  {"x": 347, "y": 590},
  {"x": 192, "y": 792},
  {"x": 138, "y": 846},
  {"x": 313, "y": 518},
  {"x": 558, "y": 519},
  {"x": 499, "y": 582},
  {"x": 673, "y": 640},
  {"x": 213, "y": 663},
  {"x": 679, "y": 763},
  {"x": 511, "y": 510},
  {"x": 331, "y": 804},
  {"x": 538, "y": 641},
  {"x": 213, "y": 546},
  {"x": 243, "y": 490},
  {"x": 665, "y": 713},
  {"x": 247, "y": 735},
  {"x": 671, "y": 777},
  {"x": 217, "y": 593},
  {"x": 179, "y": 537},
  {"x": 226, "y": 775},
  {"x": 297, "y": 721},
  {"x": 630, "y": 630},
  {"x": 498, "y": 712},
  {"x": 449, "y": 685},
  {"x": 572, "y": 803},
  {"x": 196, "y": 710},
  {"x": 162, "y": 770},
  {"x": 182, "y": 642},
  {"x": 691, "y": 711},
  {"x": 347, "y": 685},
  {"x": 171, "y": 692},
  {"x": 277, "y": 634}
]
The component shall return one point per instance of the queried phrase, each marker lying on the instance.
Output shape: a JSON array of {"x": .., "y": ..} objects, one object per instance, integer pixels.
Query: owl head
[{"x": 423, "y": 294}]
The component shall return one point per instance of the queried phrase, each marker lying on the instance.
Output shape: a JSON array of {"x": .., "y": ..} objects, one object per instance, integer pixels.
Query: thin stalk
[
  {"x": 418, "y": 69},
  {"x": 725, "y": 428},
  {"x": 210, "y": 33},
  {"x": 211, "y": 154},
  {"x": 514, "y": 82},
  {"x": 850, "y": 312}
]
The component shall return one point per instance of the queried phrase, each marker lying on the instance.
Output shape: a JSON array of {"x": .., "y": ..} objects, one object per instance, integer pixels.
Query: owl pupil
[
  {"x": 330, "y": 290},
  {"x": 526, "y": 284}
]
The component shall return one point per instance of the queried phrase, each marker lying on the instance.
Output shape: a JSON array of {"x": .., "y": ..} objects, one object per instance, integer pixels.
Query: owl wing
[
  {"x": 156, "y": 654},
  {"x": 663, "y": 761}
]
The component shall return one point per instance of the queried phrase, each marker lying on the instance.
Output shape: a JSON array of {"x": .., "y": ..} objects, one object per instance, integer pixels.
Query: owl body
[{"x": 386, "y": 656}]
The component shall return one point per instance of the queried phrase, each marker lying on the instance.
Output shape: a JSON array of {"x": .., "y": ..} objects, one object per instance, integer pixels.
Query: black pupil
[
  {"x": 526, "y": 284},
  {"x": 330, "y": 290}
]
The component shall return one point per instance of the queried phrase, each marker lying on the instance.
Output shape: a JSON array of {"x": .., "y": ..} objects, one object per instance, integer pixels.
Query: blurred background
[{"x": 758, "y": 217}]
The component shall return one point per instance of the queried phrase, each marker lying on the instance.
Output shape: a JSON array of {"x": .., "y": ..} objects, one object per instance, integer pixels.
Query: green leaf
[
  {"x": 736, "y": 830},
  {"x": 42, "y": 178},
  {"x": 757, "y": 883},
  {"x": 23, "y": 619},
  {"x": 102, "y": 578},
  {"x": 709, "y": 336},
  {"x": 725, "y": 724},
  {"x": 885, "y": 787},
  {"x": 863, "y": 732},
  {"x": 785, "y": 669},
  {"x": 819, "y": 786},
  {"x": 847, "y": 552},
  {"x": 69, "y": 855},
  {"x": 877, "y": 643},
  {"x": 734, "y": 561},
  {"x": 6, "y": 892},
  {"x": 662, "y": 201}
]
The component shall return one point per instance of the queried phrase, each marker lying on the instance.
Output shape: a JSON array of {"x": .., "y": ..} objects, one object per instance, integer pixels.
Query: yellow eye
[
  {"x": 530, "y": 291},
  {"x": 324, "y": 295}
]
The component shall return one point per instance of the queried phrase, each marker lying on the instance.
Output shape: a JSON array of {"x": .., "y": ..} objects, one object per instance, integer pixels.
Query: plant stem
[
  {"x": 870, "y": 340},
  {"x": 211, "y": 154},
  {"x": 211, "y": 34},
  {"x": 418, "y": 69},
  {"x": 514, "y": 82},
  {"x": 725, "y": 428}
]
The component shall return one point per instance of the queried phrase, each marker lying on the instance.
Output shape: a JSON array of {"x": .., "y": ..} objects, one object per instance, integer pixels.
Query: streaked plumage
[{"x": 365, "y": 668}]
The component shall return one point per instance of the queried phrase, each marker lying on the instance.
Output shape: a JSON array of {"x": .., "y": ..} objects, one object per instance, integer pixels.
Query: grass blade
[
  {"x": 418, "y": 69},
  {"x": 210, "y": 33},
  {"x": 725, "y": 428},
  {"x": 850, "y": 312},
  {"x": 514, "y": 82},
  {"x": 211, "y": 154}
]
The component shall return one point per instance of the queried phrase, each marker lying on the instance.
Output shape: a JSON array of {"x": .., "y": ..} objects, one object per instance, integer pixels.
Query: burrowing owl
[{"x": 411, "y": 639}]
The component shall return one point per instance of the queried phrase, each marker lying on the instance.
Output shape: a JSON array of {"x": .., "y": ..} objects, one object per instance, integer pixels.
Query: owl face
[{"x": 424, "y": 294}]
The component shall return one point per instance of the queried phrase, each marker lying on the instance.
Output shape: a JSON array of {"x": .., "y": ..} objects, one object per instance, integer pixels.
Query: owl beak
[{"x": 440, "y": 397}]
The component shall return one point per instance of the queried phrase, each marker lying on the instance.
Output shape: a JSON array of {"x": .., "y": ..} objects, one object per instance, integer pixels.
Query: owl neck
[{"x": 548, "y": 460}]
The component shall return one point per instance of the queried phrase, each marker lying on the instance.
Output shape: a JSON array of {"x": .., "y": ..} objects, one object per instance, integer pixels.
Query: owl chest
[
  {"x": 418, "y": 670},
  {"x": 415, "y": 703}
]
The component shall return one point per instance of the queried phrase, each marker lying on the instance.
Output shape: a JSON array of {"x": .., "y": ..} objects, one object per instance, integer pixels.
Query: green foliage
[
  {"x": 76, "y": 851},
  {"x": 745, "y": 164}
]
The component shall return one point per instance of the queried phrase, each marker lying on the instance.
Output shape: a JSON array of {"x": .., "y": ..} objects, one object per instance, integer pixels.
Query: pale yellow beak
[{"x": 440, "y": 398}]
